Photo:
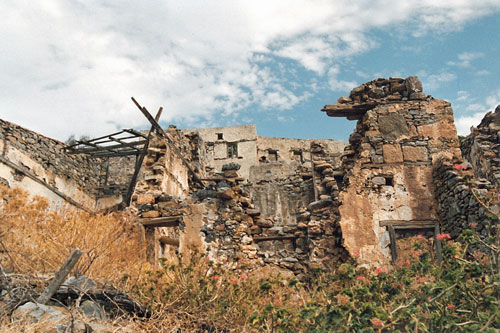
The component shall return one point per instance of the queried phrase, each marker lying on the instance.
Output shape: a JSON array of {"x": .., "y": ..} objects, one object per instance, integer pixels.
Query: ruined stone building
[{"x": 288, "y": 203}]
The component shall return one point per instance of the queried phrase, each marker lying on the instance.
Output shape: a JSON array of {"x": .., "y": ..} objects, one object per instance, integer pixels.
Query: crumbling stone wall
[
  {"x": 481, "y": 147},
  {"x": 388, "y": 166},
  {"x": 74, "y": 175},
  {"x": 459, "y": 194},
  {"x": 225, "y": 145}
]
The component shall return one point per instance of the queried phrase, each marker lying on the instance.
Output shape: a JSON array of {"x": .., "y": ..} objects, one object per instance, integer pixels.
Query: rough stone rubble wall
[
  {"x": 230, "y": 218},
  {"x": 482, "y": 148},
  {"x": 74, "y": 175},
  {"x": 458, "y": 195},
  {"x": 388, "y": 166}
]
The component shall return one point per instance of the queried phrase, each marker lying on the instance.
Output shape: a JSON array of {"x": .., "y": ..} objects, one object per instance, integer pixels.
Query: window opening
[
  {"x": 220, "y": 136},
  {"x": 273, "y": 155},
  {"x": 232, "y": 150}
]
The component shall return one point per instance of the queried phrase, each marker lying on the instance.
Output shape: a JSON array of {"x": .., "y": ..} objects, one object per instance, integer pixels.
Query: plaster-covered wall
[
  {"x": 400, "y": 133},
  {"x": 219, "y": 141}
]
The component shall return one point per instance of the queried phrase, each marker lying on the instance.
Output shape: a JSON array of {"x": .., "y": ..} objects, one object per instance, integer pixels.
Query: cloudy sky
[{"x": 70, "y": 67}]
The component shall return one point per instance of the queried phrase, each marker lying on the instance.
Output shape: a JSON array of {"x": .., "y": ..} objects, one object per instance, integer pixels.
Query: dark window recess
[
  {"x": 389, "y": 180},
  {"x": 297, "y": 155},
  {"x": 262, "y": 159},
  {"x": 232, "y": 150},
  {"x": 273, "y": 155},
  {"x": 220, "y": 136}
]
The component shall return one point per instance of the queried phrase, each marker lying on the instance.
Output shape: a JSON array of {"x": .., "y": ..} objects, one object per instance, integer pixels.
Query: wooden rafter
[{"x": 123, "y": 143}]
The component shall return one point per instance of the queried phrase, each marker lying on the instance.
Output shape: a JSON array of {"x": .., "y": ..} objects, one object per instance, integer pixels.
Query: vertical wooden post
[
  {"x": 392, "y": 237},
  {"x": 438, "y": 244},
  {"x": 60, "y": 276},
  {"x": 150, "y": 245}
]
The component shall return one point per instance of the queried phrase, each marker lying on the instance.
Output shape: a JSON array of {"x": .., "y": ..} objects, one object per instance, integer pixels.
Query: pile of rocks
[
  {"x": 79, "y": 305},
  {"x": 379, "y": 91},
  {"x": 323, "y": 226}
]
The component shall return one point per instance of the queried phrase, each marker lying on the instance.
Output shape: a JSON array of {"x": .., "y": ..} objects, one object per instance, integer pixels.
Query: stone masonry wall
[
  {"x": 73, "y": 175},
  {"x": 47, "y": 152},
  {"x": 457, "y": 193},
  {"x": 482, "y": 147},
  {"x": 388, "y": 166}
]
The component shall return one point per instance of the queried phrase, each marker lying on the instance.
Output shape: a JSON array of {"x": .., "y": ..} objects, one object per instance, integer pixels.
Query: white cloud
[
  {"x": 462, "y": 96},
  {"x": 71, "y": 67},
  {"x": 464, "y": 123},
  {"x": 482, "y": 72},
  {"x": 465, "y": 59},
  {"x": 434, "y": 81},
  {"x": 336, "y": 84}
]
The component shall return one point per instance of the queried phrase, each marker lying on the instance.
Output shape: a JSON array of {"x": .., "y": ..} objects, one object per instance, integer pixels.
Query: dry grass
[{"x": 34, "y": 239}]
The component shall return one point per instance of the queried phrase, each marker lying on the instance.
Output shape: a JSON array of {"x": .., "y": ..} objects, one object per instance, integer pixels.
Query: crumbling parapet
[{"x": 388, "y": 180}]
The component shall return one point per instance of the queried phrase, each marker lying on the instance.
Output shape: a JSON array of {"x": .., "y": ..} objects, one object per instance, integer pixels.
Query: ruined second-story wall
[
  {"x": 225, "y": 145},
  {"x": 400, "y": 133},
  {"x": 73, "y": 175}
]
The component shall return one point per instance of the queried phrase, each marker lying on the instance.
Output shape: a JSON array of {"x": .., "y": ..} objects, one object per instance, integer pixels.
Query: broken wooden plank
[
  {"x": 28, "y": 174},
  {"x": 392, "y": 237},
  {"x": 169, "y": 141},
  {"x": 351, "y": 111},
  {"x": 60, "y": 276},
  {"x": 219, "y": 179},
  {"x": 276, "y": 237},
  {"x": 169, "y": 241},
  {"x": 167, "y": 221},
  {"x": 110, "y": 148},
  {"x": 412, "y": 224},
  {"x": 150, "y": 245},
  {"x": 150, "y": 118}
]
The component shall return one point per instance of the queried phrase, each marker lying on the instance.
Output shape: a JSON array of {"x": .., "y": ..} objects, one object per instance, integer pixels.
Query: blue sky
[{"x": 70, "y": 67}]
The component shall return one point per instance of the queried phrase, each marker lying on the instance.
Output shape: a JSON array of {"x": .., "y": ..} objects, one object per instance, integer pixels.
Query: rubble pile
[
  {"x": 371, "y": 94},
  {"x": 323, "y": 215}
]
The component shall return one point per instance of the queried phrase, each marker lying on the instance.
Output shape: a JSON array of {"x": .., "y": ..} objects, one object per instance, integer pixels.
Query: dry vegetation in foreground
[{"x": 462, "y": 295}]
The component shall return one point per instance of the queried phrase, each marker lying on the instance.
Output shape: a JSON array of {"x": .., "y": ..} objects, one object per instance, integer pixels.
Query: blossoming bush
[{"x": 462, "y": 295}]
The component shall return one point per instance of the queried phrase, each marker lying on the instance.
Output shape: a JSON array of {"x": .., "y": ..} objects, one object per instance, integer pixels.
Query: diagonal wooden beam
[
  {"x": 150, "y": 118},
  {"x": 170, "y": 142},
  {"x": 139, "y": 161}
]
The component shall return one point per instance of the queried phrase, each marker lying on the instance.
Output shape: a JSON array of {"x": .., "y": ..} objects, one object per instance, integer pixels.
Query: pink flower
[
  {"x": 356, "y": 254},
  {"x": 420, "y": 237},
  {"x": 215, "y": 277},
  {"x": 421, "y": 280},
  {"x": 360, "y": 278},
  {"x": 459, "y": 167},
  {"x": 473, "y": 224},
  {"x": 443, "y": 236},
  {"x": 381, "y": 270},
  {"x": 407, "y": 262},
  {"x": 243, "y": 276},
  {"x": 451, "y": 306},
  {"x": 377, "y": 323}
]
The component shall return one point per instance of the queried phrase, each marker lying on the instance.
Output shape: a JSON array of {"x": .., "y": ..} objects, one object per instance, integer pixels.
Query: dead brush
[{"x": 34, "y": 239}]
